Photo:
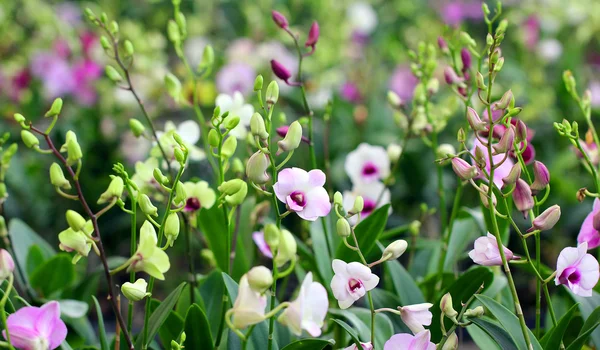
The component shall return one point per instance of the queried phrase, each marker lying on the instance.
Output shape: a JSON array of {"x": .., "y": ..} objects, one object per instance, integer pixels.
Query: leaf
[
  {"x": 243, "y": 256},
  {"x": 404, "y": 284},
  {"x": 587, "y": 307},
  {"x": 101, "y": 330},
  {"x": 172, "y": 326},
  {"x": 214, "y": 227},
  {"x": 73, "y": 308},
  {"x": 212, "y": 290},
  {"x": 22, "y": 238},
  {"x": 464, "y": 231},
  {"x": 159, "y": 316},
  {"x": 184, "y": 303},
  {"x": 321, "y": 251},
  {"x": 382, "y": 298},
  {"x": 197, "y": 329},
  {"x": 360, "y": 318},
  {"x": 482, "y": 339},
  {"x": 552, "y": 339},
  {"x": 367, "y": 233},
  {"x": 350, "y": 332},
  {"x": 461, "y": 290},
  {"x": 309, "y": 344},
  {"x": 35, "y": 258},
  {"x": 579, "y": 342},
  {"x": 495, "y": 332},
  {"x": 54, "y": 275},
  {"x": 509, "y": 322}
]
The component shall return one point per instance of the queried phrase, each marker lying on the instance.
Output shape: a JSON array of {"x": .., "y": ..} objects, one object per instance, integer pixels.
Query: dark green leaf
[
  {"x": 404, "y": 285},
  {"x": 197, "y": 329},
  {"x": 360, "y": 318},
  {"x": 464, "y": 231},
  {"x": 495, "y": 332},
  {"x": 101, "y": 330},
  {"x": 172, "y": 326},
  {"x": 22, "y": 238},
  {"x": 482, "y": 339},
  {"x": 212, "y": 291},
  {"x": 587, "y": 306},
  {"x": 367, "y": 232},
  {"x": 321, "y": 251},
  {"x": 184, "y": 303},
  {"x": 213, "y": 225},
  {"x": 309, "y": 344},
  {"x": 54, "y": 275},
  {"x": 579, "y": 342},
  {"x": 35, "y": 258},
  {"x": 552, "y": 339},
  {"x": 350, "y": 332}
]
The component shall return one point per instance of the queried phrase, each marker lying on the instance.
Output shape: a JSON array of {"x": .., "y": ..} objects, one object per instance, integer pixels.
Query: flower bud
[
  {"x": 213, "y": 138},
  {"x": 342, "y": 227},
  {"x": 260, "y": 279},
  {"x": 480, "y": 156},
  {"x": 506, "y": 100},
  {"x": 237, "y": 166},
  {"x": 279, "y": 19},
  {"x": 506, "y": 142},
  {"x": 513, "y": 176},
  {"x": 476, "y": 312},
  {"x": 452, "y": 341},
  {"x": 464, "y": 170},
  {"x": 433, "y": 86},
  {"x": 465, "y": 57},
  {"x": 258, "y": 83},
  {"x": 257, "y": 126},
  {"x": 55, "y": 108},
  {"x": 541, "y": 177},
  {"x": 74, "y": 153},
  {"x": 172, "y": 228},
  {"x": 272, "y": 94},
  {"x": 146, "y": 205},
  {"x": 442, "y": 44},
  {"x": 569, "y": 81},
  {"x": 136, "y": 127},
  {"x": 106, "y": 45},
  {"x": 57, "y": 177},
  {"x": 394, "y": 250},
  {"x": 7, "y": 264},
  {"x": 338, "y": 198},
  {"x": 75, "y": 220},
  {"x": 29, "y": 139},
  {"x": 231, "y": 123},
  {"x": 113, "y": 74},
  {"x": 159, "y": 177},
  {"x": 394, "y": 151},
  {"x": 474, "y": 121},
  {"x": 447, "y": 307},
  {"x": 272, "y": 236},
  {"x": 479, "y": 81},
  {"x": 128, "y": 46},
  {"x": 522, "y": 197},
  {"x": 74, "y": 241},
  {"x": 292, "y": 138},
  {"x": 3, "y": 229},
  {"x": 466, "y": 40},
  {"x": 180, "y": 194},
  {"x": 173, "y": 86},
  {"x": 238, "y": 197},
  {"x": 256, "y": 169},
  {"x": 484, "y": 198},
  {"x": 521, "y": 131},
  {"x": 394, "y": 100},
  {"x": 501, "y": 27},
  {"x": 313, "y": 35},
  {"x": 445, "y": 150},
  {"x": 280, "y": 71},
  {"x": 208, "y": 60},
  {"x": 359, "y": 205},
  {"x": 231, "y": 187},
  {"x": 451, "y": 77},
  {"x": 19, "y": 118},
  {"x": 287, "y": 248},
  {"x": 546, "y": 220},
  {"x": 114, "y": 190},
  {"x": 173, "y": 32},
  {"x": 229, "y": 147},
  {"x": 461, "y": 136},
  {"x": 135, "y": 291}
]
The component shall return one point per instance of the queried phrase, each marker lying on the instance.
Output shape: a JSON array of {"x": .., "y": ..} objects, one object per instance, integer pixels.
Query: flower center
[
  {"x": 354, "y": 284},
  {"x": 298, "y": 198},
  {"x": 369, "y": 206},
  {"x": 574, "y": 277},
  {"x": 192, "y": 204},
  {"x": 369, "y": 169},
  {"x": 570, "y": 275}
]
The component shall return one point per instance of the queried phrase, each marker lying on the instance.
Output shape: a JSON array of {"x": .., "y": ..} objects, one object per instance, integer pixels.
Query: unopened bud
[
  {"x": 292, "y": 138},
  {"x": 114, "y": 190},
  {"x": 476, "y": 312},
  {"x": 29, "y": 139},
  {"x": 546, "y": 220},
  {"x": 280, "y": 71},
  {"x": 466, "y": 40},
  {"x": 313, "y": 35},
  {"x": 445, "y": 150},
  {"x": 57, "y": 177},
  {"x": 231, "y": 187},
  {"x": 484, "y": 198},
  {"x": 173, "y": 32},
  {"x": 338, "y": 198},
  {"x": 447, "y": 307},
  {"x": 466, "y": 59},
  {"x": 464, "y": 170},
  {"x": 279, "y": 19},
  {"x": 506, "y": 142},
  {"x": 358, "y": 206},
  {"x": 213, "y": 138},
  {"x": 541, "y": 177},
  {"x": 452, "y": 341},
  {"x": 272, "y": 94},
  {"x": 135, "y": 291},
  {"x": 180, "y": 194},
  {"x": 257, "y": 126},
  {"x": 173, "y": 86},
  {"x": 272, "y": 236},
  {"x": 229, "y": 147},
  {"x": 75, "y": 220},
  {"x": 442, "y": 44},
  {"x": 136, "y": 127},
  {"x": 231, "y": 122},
  {"x": 394, "y": 250},
  {"x": 394, "y": 100},
  {"x": 128, "y": 48},
  {"x": 451, "y": 77},
  {"x": 475, "y": 121},
  {"x": 146, "y": 205},
  {"x": 513, "y": 176},
  {"x": 480, "y": 82},
  {"x": 522, "y": 197},
  {"x": 3, "y": 229},
  {"x": 394, "y": 151},
  {"x": 287, "y": 248},
  {"x": 256, "y": 169},
  {"x": 505, "y": 101},
  {"x": 342, "y": 227},
  {"x": 520, "y": 131},
  {"x": 260, "y": 279},
  {"x": 238, "y": 197},
  {"x": 569, "y": 81},
  {"x": 258, "y": 83},
  {"x": 237, "y": 166},
  {"x": 113, "y": 74},
  {"x": 172, "y": 228},
  {"x": 55, "y": 108}
]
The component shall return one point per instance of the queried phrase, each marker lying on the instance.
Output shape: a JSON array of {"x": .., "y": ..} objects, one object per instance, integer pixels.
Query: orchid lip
[
  {"x": 192, "y": 204},
  {"x": 354, "y": 284},
  {"x": 299, "y": 198}
]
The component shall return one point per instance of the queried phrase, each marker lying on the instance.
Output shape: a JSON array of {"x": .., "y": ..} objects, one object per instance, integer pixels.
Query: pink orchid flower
[
  {"x": 405, "y": 341},
  {"x": 351, "y": 282},
  {"x": 367, "y": 163},
  {"x": 500, "y": 172},
  {"x": 36, "y": 328},
  {"x": 308, "y": 311},
  {"x": 259, "y": 239},
  {"x": 303, "y": 192},
  {"x": 588, "y": 233},
  {"x": 577, "y": 270},
  {"x": 416, "y": 316},
  {"x": 486, "y": 252}
]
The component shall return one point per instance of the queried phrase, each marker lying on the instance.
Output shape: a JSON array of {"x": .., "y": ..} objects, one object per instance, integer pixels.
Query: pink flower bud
[
  {"x": 279, "y": 19},
  {"x": 280, "y": 71},
  {"x": 505, "y": 101},
  {"x": 282, "y": 131},
  {"x": 474, "y": 121},
  {"x": 521, "y": 131},
  {"x": 513, "y": 176},
  {"x": 313, "y": 35},
  {"x": 7, "y": 264},
  {"x": 547, "y": 219},
  {"x": 465, "y": 56},
  {"x": 522, "y": 197},
  {"x": 541, "y": 177},
  {"x": 442, "y": 44},
  {"x": 451, "y": 77},
  {"x": 463, "y": 169},
  {"x": 506, "y": 141}
]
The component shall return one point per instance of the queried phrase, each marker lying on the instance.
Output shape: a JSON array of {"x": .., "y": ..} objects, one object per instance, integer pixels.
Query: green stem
[
  {"x": 371, "y": 306},
  {"x": 272, "y": 306},
  {"x": 133, "y": 249},
  {"x": 2, "y": 307}
]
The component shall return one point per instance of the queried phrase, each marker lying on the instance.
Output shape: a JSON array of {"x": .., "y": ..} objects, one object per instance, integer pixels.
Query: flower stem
[
  {"x": 2, "y": 307},
  {"x": 133, "y": 249}
]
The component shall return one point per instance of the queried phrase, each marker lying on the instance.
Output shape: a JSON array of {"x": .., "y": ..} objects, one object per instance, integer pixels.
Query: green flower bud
[
  {"x": 466, "y": 40},
  {"x": 569, "y": 81},
  {"x": 173, "y": 86},
  {"x": 394, "y": 250},
  {"x": 181, "y": 23},
  {"x": 359, "y": 204},
  {"x": 343, "y": 227},
  {"x": 231, "y": 122},
  {"x": 394, "y": 151},
  {"x": 489, "y": 40},
  {"x": 103, "y": 17},
  {"x": 208, "y": 59},
  {"x": 3, "y": 230},
  {"x": 213, "y": 138},
  {"x": 135, "y": 291},
  {"x": 292, "y": 139},
  {"x": 173, "y": 32},
  {"x": 415, "y": 227},
  {"x": 29, "y": 139},
  {"x": 272, "y": 236},
  {"x": 113, "y": 28},
  {"x": 137, "y": 128},
  {"x": 260, "y": 279},
  {"x": 258, "y": 83},
  {"x": 237, "y": 166},
  {"x": 393, "y": 99},
  {"x": 3, "y": 192},
  {"x": 114, "y": 190},
  {"x": 55, "y": 108},
  {"x": 76, "y": 241},
  {"x": 229, "y": 147},
  {"x": 479, "y": 80},
  {"x": 113, "y": 74},
  {"x": 231, "y": 187},
  {"x": 501, "y": 29},
  {"x": 338, "y": 198},
  {"x": 75, "y": 220},
  {"x": 287, "y": 248},
  {"x": 89, "y": 14},
  {"x": 172, "y": 228},
  {"x": 447, "y": 307},
  {"x": 256, "y": 169},
  {"x": 74, "y": 153},
  {"x": 238, "y": 197},
  {"x": 180, "y": 194},
  {"x": 461, "y": 136},
  {"x": 476, "y": 312},
  {"x": 19, "y": 118},
  {"x": 146, "y": 205},
  {"x": 445, "y": 150},
  {"x": 179, "y": 155},
  {"x": 105, "y": 43},
  {"x": 257, "y": 126},
  {"x": 452, "y": 341},
  {"x": 272, "y": 94},
  {"x": 159, "y": 177},
  {"x": 128, "y": 48}
]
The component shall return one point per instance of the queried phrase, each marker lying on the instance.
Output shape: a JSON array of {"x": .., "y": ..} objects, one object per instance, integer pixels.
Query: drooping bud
[
  {"x": 476, "y": 312},
  {"x": 394, "y": 151},
  {"x": 231, "y": 122},
  {"x": 231, "y": 187},
  {"x": 292, "y": 138},
  {"x": 173, "y": 86},
  {"x": 272, "y": 94},
  {"x": 546, "y": 220},
  {"x": 180, "y": 194},
  {"x": 359, "y": 205},
  {"x": 513, "y": 176},
  {"x": 136, "y": 127},
  {"x": 466, "y": 40},
  {"x": 541, "y": 177},
  {"x": 75, "y": 220},
  {"x": 313, "y": 35},
  {"x": 394, "y": 250},
  {"x": 475, "y": 121},
  {"x": 452, "y": 341},
  {"x": 279, "y": 19},
  {"x": 238, "y": 197},
  {"x": 522, "y": 197},
  {"x": 135, "y": 291},
  {"x": 7, "y": 264},
  {"x": 257, "y": 126},
  {"x": 280, "y": 71},
  {"x": 521, "y": 131},
  {"x": 484, "y": 198},
  {"x": 447, "y": 307},
  {"x": 342, "y": 227},
  {"x": 442, "y": 44},
  {"x": 272, "y": 236},
  {"x": 464, "y": 170},
  {"x": 260, "y": 279},
  {"x": 465, "y": 56},
  {"x": 287, "y": 248},
  {"x": 480, "y": 156},
  {"x": 29, "y": 139},
  {"x": 114, "y": 190},
  {"x": 394, "y": 100},
  {"x": 506, "y": 100},
  {"x": 256, "y": 169},
  {"x": 146, "y": 205},
  {"x": 55, "y": 108},
  {"x": 506, "y": 142},
  {"x": 172, "y": 228},
  {"x": 451, "y": 77},
  {"x": 159, "y": 177},
  {"x": 57, "y": 177},
  {"x": 229, "y": 147},
  {"x": 479, "y": 81}
]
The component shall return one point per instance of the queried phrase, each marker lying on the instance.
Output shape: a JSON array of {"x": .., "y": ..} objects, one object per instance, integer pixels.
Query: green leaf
[
  {"x": 552, "y": 339},
  {"x": 244, "y": 256},
  {"x": 54, "y": 275},
  {"x": 464, "y": 231},
  {"x": 350, "y": 332},
  {"x": 360, "y": 318},
  {"x": 197, "y": 329},
  {"x": 22, "y": 238},
  {"x": 591, "y": 322},
  {"x": 367, "y": 233},
  {"x": 461, "y": 290},
  {"x": 73, "y": 308},
  {"x": 321, "y": 251},
  {"x": 587, "y": 307},
  {"x": 404, "y": 284},
  {"x": 35, "y": 258},
  {"x": 184, "y": 303},
  {"x": 309, "y": 344},
  {"x": 509, "y": 322},
  {"x": 159, "y": 316},
  {"x": 214, "y": 227},
  {"x": 579, "y": 342},
  {"x": 212, "y": 290},
  {"x": 101, "y": 330},
  {"x": 172, "y": 326},
  {"x": 482, "y": 339},
  {"x": 495, "y": 333}
]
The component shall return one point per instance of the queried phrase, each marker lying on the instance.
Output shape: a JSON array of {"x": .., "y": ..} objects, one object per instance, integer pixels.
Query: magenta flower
[
  {"x": 499, "y": 173},
  {"x": 486, "y": 253},
  {"x": 281, "y": 71},
  {"x": 350, "y": 92},
  {"x": 303, "y": 192},
  {"x": 236, "y": 77},
  {"x": 313, "y": 35},
  {"x": 405, "y": 341},
  {"x": 455, "y": 12},
  {"x": 283, "y": 130},
  {"x": 403, "y": 82},
  {"x": 367, "y": 163},
  {"x": 351, "y": 282},
  {"x": 85, "y": 73},
  {"x": 577, "y": 269},
  {"x": 259, "y": 239},
  {"x": 36, "y": 328},
  {"x": 588, "y": 233}
]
